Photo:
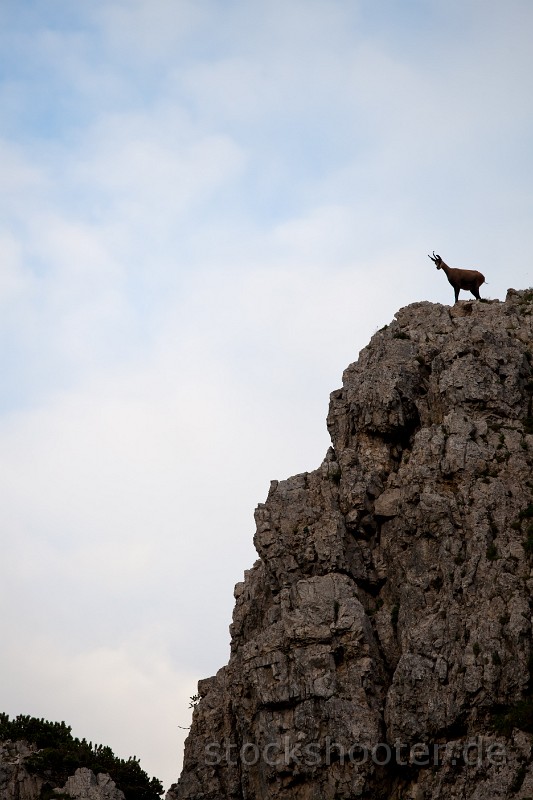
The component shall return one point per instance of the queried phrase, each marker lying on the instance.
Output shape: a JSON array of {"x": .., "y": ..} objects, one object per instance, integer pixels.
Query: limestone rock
[
  {"x": 381, "y": 644},
  {"x": 16, "y": 783},
  {"x": 85, "y": 785}
]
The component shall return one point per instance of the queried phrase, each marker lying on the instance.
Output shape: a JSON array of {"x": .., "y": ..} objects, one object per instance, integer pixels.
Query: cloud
[
  {"x": 151, "y": 168},
  {"x": 141, "y": 31}
]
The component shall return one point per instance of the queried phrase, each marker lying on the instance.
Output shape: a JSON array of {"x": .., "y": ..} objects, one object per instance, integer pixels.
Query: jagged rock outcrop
[
  {"x": 19, "y": 783},
  {"x": 85, "y": 785},
  {"x": 16, "y": 783},
  {"x": 381, "y": 644}
]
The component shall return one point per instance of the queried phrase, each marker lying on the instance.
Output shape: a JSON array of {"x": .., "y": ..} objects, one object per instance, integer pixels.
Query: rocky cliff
[
  {"x": 16, "y": 782},
  {"x": 381, "y": 644}
]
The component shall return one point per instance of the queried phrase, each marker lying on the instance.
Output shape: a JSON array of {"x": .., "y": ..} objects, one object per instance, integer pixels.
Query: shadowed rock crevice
[{"x": 391, "y": 603}]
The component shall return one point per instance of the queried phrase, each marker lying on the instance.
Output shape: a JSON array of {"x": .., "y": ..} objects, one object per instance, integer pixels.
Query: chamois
[{"x": 468, "y": 279}]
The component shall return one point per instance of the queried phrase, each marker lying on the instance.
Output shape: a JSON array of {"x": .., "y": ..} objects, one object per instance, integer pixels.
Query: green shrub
[
  {"x": 518, "y": 779},
  {"x": 492, "y": 552},
  {"x": 528, "y": 544},
  {"x": 518, "y": 716},
  {"x": 335, "y": 476},
  {"x": 60, "y": 755},
  {"x": 528, "y": 425},
  {"x": 526, "y": 513}
]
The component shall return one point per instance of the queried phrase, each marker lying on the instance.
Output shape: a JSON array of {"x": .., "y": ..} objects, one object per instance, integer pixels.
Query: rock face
[
  {"x": 381, "y": 644},
  {"x": 17, "y": 783},
  {"x": 85, "y": 785}
]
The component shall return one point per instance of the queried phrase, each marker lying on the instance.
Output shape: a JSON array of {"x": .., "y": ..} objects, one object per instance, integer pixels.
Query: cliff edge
[{"x": 381, "y": 644}]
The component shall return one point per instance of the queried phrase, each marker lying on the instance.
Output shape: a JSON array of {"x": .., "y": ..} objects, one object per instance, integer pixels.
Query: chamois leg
[
  {"x": 456, "y": 290},
  {"x": 475, "y": 292}
]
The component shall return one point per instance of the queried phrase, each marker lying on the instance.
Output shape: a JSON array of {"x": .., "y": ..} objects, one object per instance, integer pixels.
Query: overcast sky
[{"x": 207, "y": 209}]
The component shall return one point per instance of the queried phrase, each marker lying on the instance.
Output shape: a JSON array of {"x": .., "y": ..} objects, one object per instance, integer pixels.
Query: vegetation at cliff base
[{"x": 60, "y": 755}]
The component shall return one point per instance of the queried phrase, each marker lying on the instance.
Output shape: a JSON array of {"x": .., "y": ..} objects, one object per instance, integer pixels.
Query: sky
[{"x": 208, "y": 207}]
